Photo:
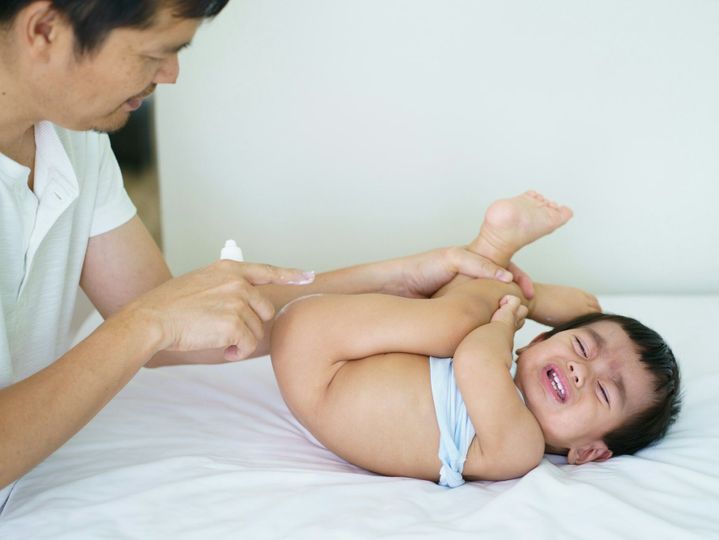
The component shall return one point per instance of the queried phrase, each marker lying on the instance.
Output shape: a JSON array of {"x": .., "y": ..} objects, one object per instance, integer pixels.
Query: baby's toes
[
  {"x": 552, "y": 204},
  {"x": 534, "y": 195},
  {"x": 565, "y": 213}
]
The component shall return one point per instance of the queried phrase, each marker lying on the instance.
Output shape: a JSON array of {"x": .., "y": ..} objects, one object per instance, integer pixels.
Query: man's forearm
[
  {"x": 354, "y": 280},
  {"x": 43, "y": 411},
  {"x": 364, "y": 278},
  {"x": 416, "y": 276}
]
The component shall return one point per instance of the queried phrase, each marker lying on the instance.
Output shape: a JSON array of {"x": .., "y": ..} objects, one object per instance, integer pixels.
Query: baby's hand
[{"x": 511, "y": 312}]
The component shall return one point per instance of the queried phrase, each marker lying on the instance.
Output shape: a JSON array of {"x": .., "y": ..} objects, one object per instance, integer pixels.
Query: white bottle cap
[{"x": 231, "y": 252}]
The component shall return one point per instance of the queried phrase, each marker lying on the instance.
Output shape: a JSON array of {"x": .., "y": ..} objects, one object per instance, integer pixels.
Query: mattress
[{"x": 199, "y": 452}]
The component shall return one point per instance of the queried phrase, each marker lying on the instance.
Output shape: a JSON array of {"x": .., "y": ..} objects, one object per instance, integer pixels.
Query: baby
[{"x": 422, "y": 387}]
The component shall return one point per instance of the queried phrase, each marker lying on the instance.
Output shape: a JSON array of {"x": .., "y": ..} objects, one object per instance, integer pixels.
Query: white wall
[{"x": 321, "y": 133}]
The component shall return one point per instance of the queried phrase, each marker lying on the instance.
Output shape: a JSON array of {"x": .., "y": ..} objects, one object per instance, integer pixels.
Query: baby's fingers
[
  {"x": 511, "y": 311},
  {"x": 522, "y": 313}
]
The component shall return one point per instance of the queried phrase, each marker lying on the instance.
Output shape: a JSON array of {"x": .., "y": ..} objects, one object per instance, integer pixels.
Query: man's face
[
  {"x": 582, "y": 383},
  {"x": 99, "y": 90}
]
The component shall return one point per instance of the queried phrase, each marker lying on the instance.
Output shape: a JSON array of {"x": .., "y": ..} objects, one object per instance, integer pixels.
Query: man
[{"x": 69, "y": 69}]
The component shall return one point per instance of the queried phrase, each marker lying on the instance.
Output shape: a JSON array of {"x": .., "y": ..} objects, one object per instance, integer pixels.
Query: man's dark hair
[
  {"x": 93, "y": 20},
  {"x": 651, "y": 424}
]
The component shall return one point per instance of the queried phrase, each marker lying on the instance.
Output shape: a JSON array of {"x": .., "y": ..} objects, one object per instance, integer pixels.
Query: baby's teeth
[{"x": 557, "y": 384}]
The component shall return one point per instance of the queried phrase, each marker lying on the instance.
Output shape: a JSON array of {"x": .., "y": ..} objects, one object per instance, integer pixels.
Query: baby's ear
[
  {"x": 537, "y": 339},
  {"x": 597, "y": 451}
]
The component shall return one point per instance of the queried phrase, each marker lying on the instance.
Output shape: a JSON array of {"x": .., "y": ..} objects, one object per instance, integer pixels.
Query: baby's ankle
[{"x": 492, "y": 248}]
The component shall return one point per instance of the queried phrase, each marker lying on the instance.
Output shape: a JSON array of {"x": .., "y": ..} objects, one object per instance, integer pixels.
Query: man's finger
[
  {"x": 260, "y": 305},
  {"x": 245, "y": 342},
  {"x": 264, "y": 274},
  {"x": 473, "y": 265},
  {"x": 232, "y": 353},
  {"x": 523, "y": 280},
  {"x": 253, "y": 315}
]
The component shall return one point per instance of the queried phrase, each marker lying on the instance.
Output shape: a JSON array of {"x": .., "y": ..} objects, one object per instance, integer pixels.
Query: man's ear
[
  {"x": 537, "y": 339},
  {"x": 38, "y": 27},
  {"x": 596, "y": 451}
]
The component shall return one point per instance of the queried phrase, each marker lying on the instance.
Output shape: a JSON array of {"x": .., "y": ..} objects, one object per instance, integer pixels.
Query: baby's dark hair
[{"x": 651, "y": 424}]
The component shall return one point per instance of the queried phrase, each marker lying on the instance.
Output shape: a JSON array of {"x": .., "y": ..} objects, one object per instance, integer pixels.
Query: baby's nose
[{"x": 577, "y": 373}]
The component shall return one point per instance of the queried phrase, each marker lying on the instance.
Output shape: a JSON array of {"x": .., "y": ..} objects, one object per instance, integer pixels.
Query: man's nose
[{"x": 168, "y": 72}]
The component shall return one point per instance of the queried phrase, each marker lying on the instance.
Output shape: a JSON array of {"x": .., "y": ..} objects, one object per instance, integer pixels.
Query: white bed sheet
[{"x": 203, "y": 452}]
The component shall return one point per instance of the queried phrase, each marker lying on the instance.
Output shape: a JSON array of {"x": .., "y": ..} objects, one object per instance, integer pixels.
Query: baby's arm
[{"x": 510, "y": 441}]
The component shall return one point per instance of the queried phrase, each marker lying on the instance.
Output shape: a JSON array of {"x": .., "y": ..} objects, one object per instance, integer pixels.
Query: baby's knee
[
  {"x": 298, "y": 357},
  {"x": 286, "y": 324},
  {"x": 293, "y": 328},
  {"x": 290, "y": 315}
]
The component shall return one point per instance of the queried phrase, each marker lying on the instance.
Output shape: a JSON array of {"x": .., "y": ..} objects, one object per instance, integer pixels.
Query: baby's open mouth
[{"x": 557, "y": 385}]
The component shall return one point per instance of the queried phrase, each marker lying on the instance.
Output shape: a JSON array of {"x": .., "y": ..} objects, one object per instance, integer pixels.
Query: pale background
[{"x": 322, "y": 133}]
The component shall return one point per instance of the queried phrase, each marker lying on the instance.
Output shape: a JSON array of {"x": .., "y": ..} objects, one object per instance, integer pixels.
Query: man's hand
[
  {"x": 216, "y": 307},
  {"x": 522, "y": 279},
  {"x": 420, "y": 276}
]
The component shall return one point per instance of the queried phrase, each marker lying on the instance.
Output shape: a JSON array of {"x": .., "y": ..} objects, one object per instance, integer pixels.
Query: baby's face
[{"x": 582, "y": 383}]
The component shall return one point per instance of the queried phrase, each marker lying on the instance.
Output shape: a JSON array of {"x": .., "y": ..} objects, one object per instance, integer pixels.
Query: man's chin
[{"x": 113, "y": 123}]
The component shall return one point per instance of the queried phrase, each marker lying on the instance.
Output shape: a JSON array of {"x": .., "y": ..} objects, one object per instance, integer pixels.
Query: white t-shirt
[{"x": 78, "y": 193}]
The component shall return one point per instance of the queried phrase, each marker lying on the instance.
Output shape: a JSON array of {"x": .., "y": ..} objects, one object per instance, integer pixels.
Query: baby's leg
[
  {"x": 551, "y": 305},
  {"x": 511, "y": 224},
  {"x": 557, "y": 304},
  {"x": 332, "y": 355}
]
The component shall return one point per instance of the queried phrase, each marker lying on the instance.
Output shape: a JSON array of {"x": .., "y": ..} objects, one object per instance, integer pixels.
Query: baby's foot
[
  {"x": 555, "y": 304},
  {"x": 510, "y": 224},
  {"x": 510, "y": 312}
]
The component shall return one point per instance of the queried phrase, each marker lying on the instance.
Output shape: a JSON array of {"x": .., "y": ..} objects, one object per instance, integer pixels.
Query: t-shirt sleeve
[{"x": 113, "y": 206}]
